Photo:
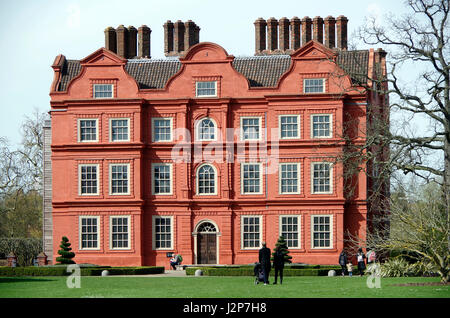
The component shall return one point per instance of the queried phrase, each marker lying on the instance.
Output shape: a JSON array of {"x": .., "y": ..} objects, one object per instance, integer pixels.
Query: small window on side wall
[{"x": 103, "y": 91}]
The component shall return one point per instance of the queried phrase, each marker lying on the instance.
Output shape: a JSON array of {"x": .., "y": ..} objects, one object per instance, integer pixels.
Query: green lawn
[{"x": 216, "y": 287}]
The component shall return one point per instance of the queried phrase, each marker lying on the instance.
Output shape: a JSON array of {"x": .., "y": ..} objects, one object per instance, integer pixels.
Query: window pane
[
  {"x": 162, "y": 129},
  {"x": 162, "y": 233}
]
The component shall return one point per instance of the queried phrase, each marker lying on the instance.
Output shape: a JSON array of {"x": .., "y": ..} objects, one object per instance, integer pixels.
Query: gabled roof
[{"x": 261, "y": 71}]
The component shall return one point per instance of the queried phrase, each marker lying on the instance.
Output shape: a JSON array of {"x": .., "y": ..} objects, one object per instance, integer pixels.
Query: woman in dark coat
[
  {"x": 343, "y": 261},
  {"x": 278, "y": 263},
  {"x": 360, "y": 257}
]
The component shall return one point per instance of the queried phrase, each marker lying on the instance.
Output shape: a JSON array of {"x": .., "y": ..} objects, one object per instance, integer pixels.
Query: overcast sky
[{"x": 32, "y": 33}]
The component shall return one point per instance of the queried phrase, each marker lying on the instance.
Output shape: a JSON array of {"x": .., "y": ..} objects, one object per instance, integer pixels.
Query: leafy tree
[
  {"x": 65, "y": 252},
  {"x": 282, "y": 244}
]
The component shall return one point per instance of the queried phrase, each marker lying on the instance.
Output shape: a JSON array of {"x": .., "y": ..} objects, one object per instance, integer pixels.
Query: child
[{"x": 349, "y": 269}]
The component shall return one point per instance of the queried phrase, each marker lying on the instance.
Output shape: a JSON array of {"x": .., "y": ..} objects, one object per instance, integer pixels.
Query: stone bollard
[
  {"x": 332, "y": 273},
  {"x": 12, "y": 260},
  {"x": 198, "y": 272},
  {"x": 105, "y": 273},
  {"x": 42, "y": 259}
]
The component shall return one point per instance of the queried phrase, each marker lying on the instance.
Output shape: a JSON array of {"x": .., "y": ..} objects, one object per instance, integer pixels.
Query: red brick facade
[{"x": 126, "y": 226}]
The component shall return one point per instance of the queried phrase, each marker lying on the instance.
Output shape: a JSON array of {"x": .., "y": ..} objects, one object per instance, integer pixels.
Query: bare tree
[{"x": 417, "y": 82}]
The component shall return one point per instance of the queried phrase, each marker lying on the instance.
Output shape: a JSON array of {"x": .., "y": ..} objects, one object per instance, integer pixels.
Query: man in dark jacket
[
  {"x": 264, "y": 259},
  {"x": 343, "y": 261}
]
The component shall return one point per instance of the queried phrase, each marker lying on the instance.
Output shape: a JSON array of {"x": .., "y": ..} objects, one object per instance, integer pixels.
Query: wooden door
[{"x": 206, "y": 248}]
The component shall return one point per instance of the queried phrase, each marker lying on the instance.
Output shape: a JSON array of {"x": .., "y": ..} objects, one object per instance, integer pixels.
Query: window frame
[
  {"x": 260, "y": 178},
  {"x": 105, "y": 84},
  {"x": 197, "y": 190},
  {"x": 200, "y": 96},
  {"x": 314, "y": 78},
  {"x": 241, "y": 119},
  {"x": 280, "y": 179},
  {"x": 128, "y": 179},
  {"x": 128, "y": 217},
  {"x": 155, "y": 164},
  {"x": 80, "y": 236},
  {"x": 154, "y": 217},
  {"x": 330, "y": 135},
  {"x": 170, "y": 119},
  {"x": 331, "y": 166},
  {"x": 331, "y": 232},
  {"x": 111, "y": 132},
  {"x": 261, "y": 231},
  {"x": 299, "y": 229},
  {"x": 79, "y": 120},
  {"x": 80, "y": 165},
  {"x": 280, "y": 126}
]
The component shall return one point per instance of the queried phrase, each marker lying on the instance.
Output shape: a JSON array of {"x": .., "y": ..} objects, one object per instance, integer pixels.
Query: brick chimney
[
  {"x": 330, "y": 24},
  {"x": 272, "y": 34},
  {"x": 318, "y": 29},
  {"x": 295, "y": 33},
  {"x": 122, "y": 41},
  {"x": 179, "y": 37},
  {"x": 144, "y": 41},
  {"x": 284, "y": 33},
  {"x": 260, "y": 35},
  {"x": 110, "y": 39},
  {"x": 132, "y": 42},
  {"x": 341, "y": 31},
  {"x": 306, "y": 30}
]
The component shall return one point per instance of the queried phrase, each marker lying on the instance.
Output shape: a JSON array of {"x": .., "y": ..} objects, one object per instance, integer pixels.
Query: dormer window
[
  {"x": 314, "y": 85},
  {"x": 206, "y": 89},
  {"x": 103, "y": 91}
]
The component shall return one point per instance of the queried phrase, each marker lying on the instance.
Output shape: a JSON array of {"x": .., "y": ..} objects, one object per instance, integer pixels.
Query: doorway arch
[{"x": 206, "y": 242}]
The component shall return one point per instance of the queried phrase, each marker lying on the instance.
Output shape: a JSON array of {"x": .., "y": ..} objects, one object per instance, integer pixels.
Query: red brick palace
[{"x": 206, "y": 154}]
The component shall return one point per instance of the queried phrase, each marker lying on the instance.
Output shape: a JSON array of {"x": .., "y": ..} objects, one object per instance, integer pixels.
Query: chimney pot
[
  {"x": 330, "y": 25},
  {"x": 318, "y": 29},
  {"x": 168, "y": 37},
  {"x": 260, "y": 35},
  {"x": 284, "y": 34},
  {"x": 306, "y": 30},
  {"x": 132, "y": 42},
  {"x": 179, "y": 36},
  {"x": 295, "y": 33},
  {"x": 122, "y": 41},
  {"x": 144, "y": 33},
  {"x": 110, "y": 39},
  {"x": 341, "y": 31},
  {"x": 272, "y": 34},
  {"x": 189, "y": 34}
]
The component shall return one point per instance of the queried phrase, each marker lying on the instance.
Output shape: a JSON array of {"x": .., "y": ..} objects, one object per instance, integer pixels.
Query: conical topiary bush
[
  {"x": 65, "y": 252},
  {"x": 284, "y": 249}
]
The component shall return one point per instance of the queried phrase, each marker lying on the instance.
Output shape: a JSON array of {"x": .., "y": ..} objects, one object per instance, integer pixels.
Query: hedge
[
  {"x": 85, "y": 271},
  {"x": 317, "y": 270}
]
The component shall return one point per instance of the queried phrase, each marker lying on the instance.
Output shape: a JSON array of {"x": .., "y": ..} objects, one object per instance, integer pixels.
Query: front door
[{"x": 206, "y": 248}]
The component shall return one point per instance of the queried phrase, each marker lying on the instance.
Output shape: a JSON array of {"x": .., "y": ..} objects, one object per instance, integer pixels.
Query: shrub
[
  {"x": 396, "y": 267},
  {"x": 315, "y": 270},
  {"x": 84, "y": 270},
  {"x": 65, "y": 252},
  {"x": 25, "y": 249}
]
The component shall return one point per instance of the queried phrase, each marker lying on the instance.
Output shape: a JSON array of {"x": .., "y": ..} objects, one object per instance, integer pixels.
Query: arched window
[
  {"x": 206, "y": 227},
  {"x": 206, "y": 180},
  {"x": 206, "y": 129}
]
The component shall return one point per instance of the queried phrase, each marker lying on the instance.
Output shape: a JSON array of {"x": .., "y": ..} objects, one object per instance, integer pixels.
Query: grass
[{"x": 217, "y": 287}]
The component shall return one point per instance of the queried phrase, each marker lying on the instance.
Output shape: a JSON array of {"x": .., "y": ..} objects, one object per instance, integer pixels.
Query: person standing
[
  {"x": 278, "y": 264},
  {"x": 343, "y": 261},
  {"x": 264, "y": 259},
  {"x": 360, "y": 257},
  {"x": 350, "y": 269}
]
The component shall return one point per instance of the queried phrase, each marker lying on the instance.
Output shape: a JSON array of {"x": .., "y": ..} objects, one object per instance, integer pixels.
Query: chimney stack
[
  {"x": 318, "y": 29},
  {"x": 144, "y": 41},
  {"x": 295, "y": 33},
  {"x": 110, "y": 39},
  {"x": 284, "y": 34},
  {"x": 306, "y": 30},
  {"x": 132, "y": 42},
  {"x": 260, "y": 35},
  {"x": 122, "y": 41},
  {"x": 330, "y": 24},
  {"x": 341, "y": 30},
  {"x": 179, "y": 37},
  {"x": 272, "y": 34}
]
